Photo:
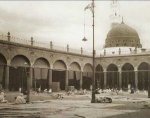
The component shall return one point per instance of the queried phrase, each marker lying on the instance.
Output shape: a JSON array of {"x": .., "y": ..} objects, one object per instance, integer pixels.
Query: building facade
[{"x": 26, "y": 63}]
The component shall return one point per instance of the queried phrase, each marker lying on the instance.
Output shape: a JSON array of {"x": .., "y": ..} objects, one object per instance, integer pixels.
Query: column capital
[
  {"x": 32, "y": 64},
  {"x": 51, "y": 66},
  {"x": 135, "y": 68},
  {"x": 120, "y": 69},
  {"x": 8, "y": 62},
  {"x": 105, "y": 70}
]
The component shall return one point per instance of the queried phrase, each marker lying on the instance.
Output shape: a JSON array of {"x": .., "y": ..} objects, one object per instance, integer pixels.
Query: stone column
[
  {"x": 136, "y": 79},
  {"x": 120, "y": 79},
  {"x": 50, "y": 79},
  {"x": 7, "y": 77},
  {"x": 81, "y": 80},
  {"x": 66, "y": 79},
  {"x": 31, "y": 76},
  {"x": 29, "y": 79},
  {"x": 105, "y": 79}
]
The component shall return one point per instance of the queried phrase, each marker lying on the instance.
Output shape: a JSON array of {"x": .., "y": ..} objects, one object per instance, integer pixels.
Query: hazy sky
[{"x": 62, "y": 21}]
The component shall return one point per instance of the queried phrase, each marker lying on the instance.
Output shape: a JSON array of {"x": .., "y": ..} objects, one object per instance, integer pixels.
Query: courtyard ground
[{"x": 124, "y": 105}]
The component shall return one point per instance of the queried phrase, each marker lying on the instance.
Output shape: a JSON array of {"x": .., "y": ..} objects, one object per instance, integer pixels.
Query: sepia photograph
[{"x": 74, "y": 59}]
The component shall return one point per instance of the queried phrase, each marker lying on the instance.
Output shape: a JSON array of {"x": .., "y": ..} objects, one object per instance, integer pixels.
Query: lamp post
[
  {"x": 91, "y": 7},
  {"x": 148, "y": 81}
]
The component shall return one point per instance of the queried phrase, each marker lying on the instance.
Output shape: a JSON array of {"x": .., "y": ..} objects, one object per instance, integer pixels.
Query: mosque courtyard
[
  {"x": 55, "y": 60},
  {"x": 124, "y": 105}
]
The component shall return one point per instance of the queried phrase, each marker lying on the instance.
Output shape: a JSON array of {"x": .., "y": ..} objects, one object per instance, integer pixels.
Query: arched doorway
[
  {"x": 74, "y": 75},
  {"x": 87, "y": 76},
  {"x": 112, "y": 76},
  {"x": 99, "y": 77},
  {"x": 59, "y": 75},
  {"x": 18, "y": 73},
  {"x": 41, "y": 73},
  {"x": 3, "y": 63},
  {"x": 128, "y": 76},
  {"x": 143, "y": 71}
]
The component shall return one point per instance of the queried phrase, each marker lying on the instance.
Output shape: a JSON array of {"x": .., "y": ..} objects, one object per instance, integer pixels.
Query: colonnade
[
  {"x": 113, "y": 76},
  {"x": 136, "y": 78}
]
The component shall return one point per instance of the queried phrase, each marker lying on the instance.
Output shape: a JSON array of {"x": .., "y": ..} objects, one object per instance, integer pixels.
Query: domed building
[
  {"x": 124, "y": 62},
  {"x": 122, "y": 35},
  {"x": 121, "y": 39}
]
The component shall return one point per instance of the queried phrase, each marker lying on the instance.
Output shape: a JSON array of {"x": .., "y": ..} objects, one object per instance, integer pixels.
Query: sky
[{"x": 62, "y": 22}]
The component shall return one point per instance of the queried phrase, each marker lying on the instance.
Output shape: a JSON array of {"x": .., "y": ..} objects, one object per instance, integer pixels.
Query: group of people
[
  {"x": 75, "y": 91},
  {"x": 115, "y": 90},
  {"x": 20, "y": 99},
  {"x": 98, "y": 91},
  {"x": 38, "y": 90},
  {"x": 48, "y": 91}
]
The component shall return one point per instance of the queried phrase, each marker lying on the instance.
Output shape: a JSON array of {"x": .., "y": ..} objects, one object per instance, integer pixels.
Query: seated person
[
  {"x": 60, "y": 96},
  {"x": 50, "y": 91},
  {"x": 20, "y": 99},
  {"x": 97, "y": 91},
  {"x": 45, "y": 90},
  {"x": 132, "y": 90},
  {"x": 84, "y": 91},
  {"x": 20, "y": 89},
  {"x": 2, "y": 98}
]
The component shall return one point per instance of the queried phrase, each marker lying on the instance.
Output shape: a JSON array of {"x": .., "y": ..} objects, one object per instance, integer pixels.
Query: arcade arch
[
  {"x": 3, "y": 63},
  {"x": 99, "y": 77},
  {"x": 128, "y": 76},
  {"x": 41, "y": 73},
  {"x": 87, "y": 76},
  {"x": 112, "y": 76},
  {"x": 74, "y": 77},
  {"x": 59, "y": 74},
  {"x": 143, "y": 75},
  {"x": 18, "y": 73}
]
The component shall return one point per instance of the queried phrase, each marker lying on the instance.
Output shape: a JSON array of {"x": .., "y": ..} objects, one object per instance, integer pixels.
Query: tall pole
[
  {"x": 91, "y": 7},
  {"x": 148, "y": 81},
  {"x": 93, "y": 80}
]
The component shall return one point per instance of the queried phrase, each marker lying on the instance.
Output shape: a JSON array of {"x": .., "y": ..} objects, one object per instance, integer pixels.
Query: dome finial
[{"x": 122, "y": 21}]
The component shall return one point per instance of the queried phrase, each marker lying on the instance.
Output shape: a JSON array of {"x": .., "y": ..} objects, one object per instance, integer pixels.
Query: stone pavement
[
  {"x": 79, "y": 106},
  {"x": 74, "y": 109}
]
